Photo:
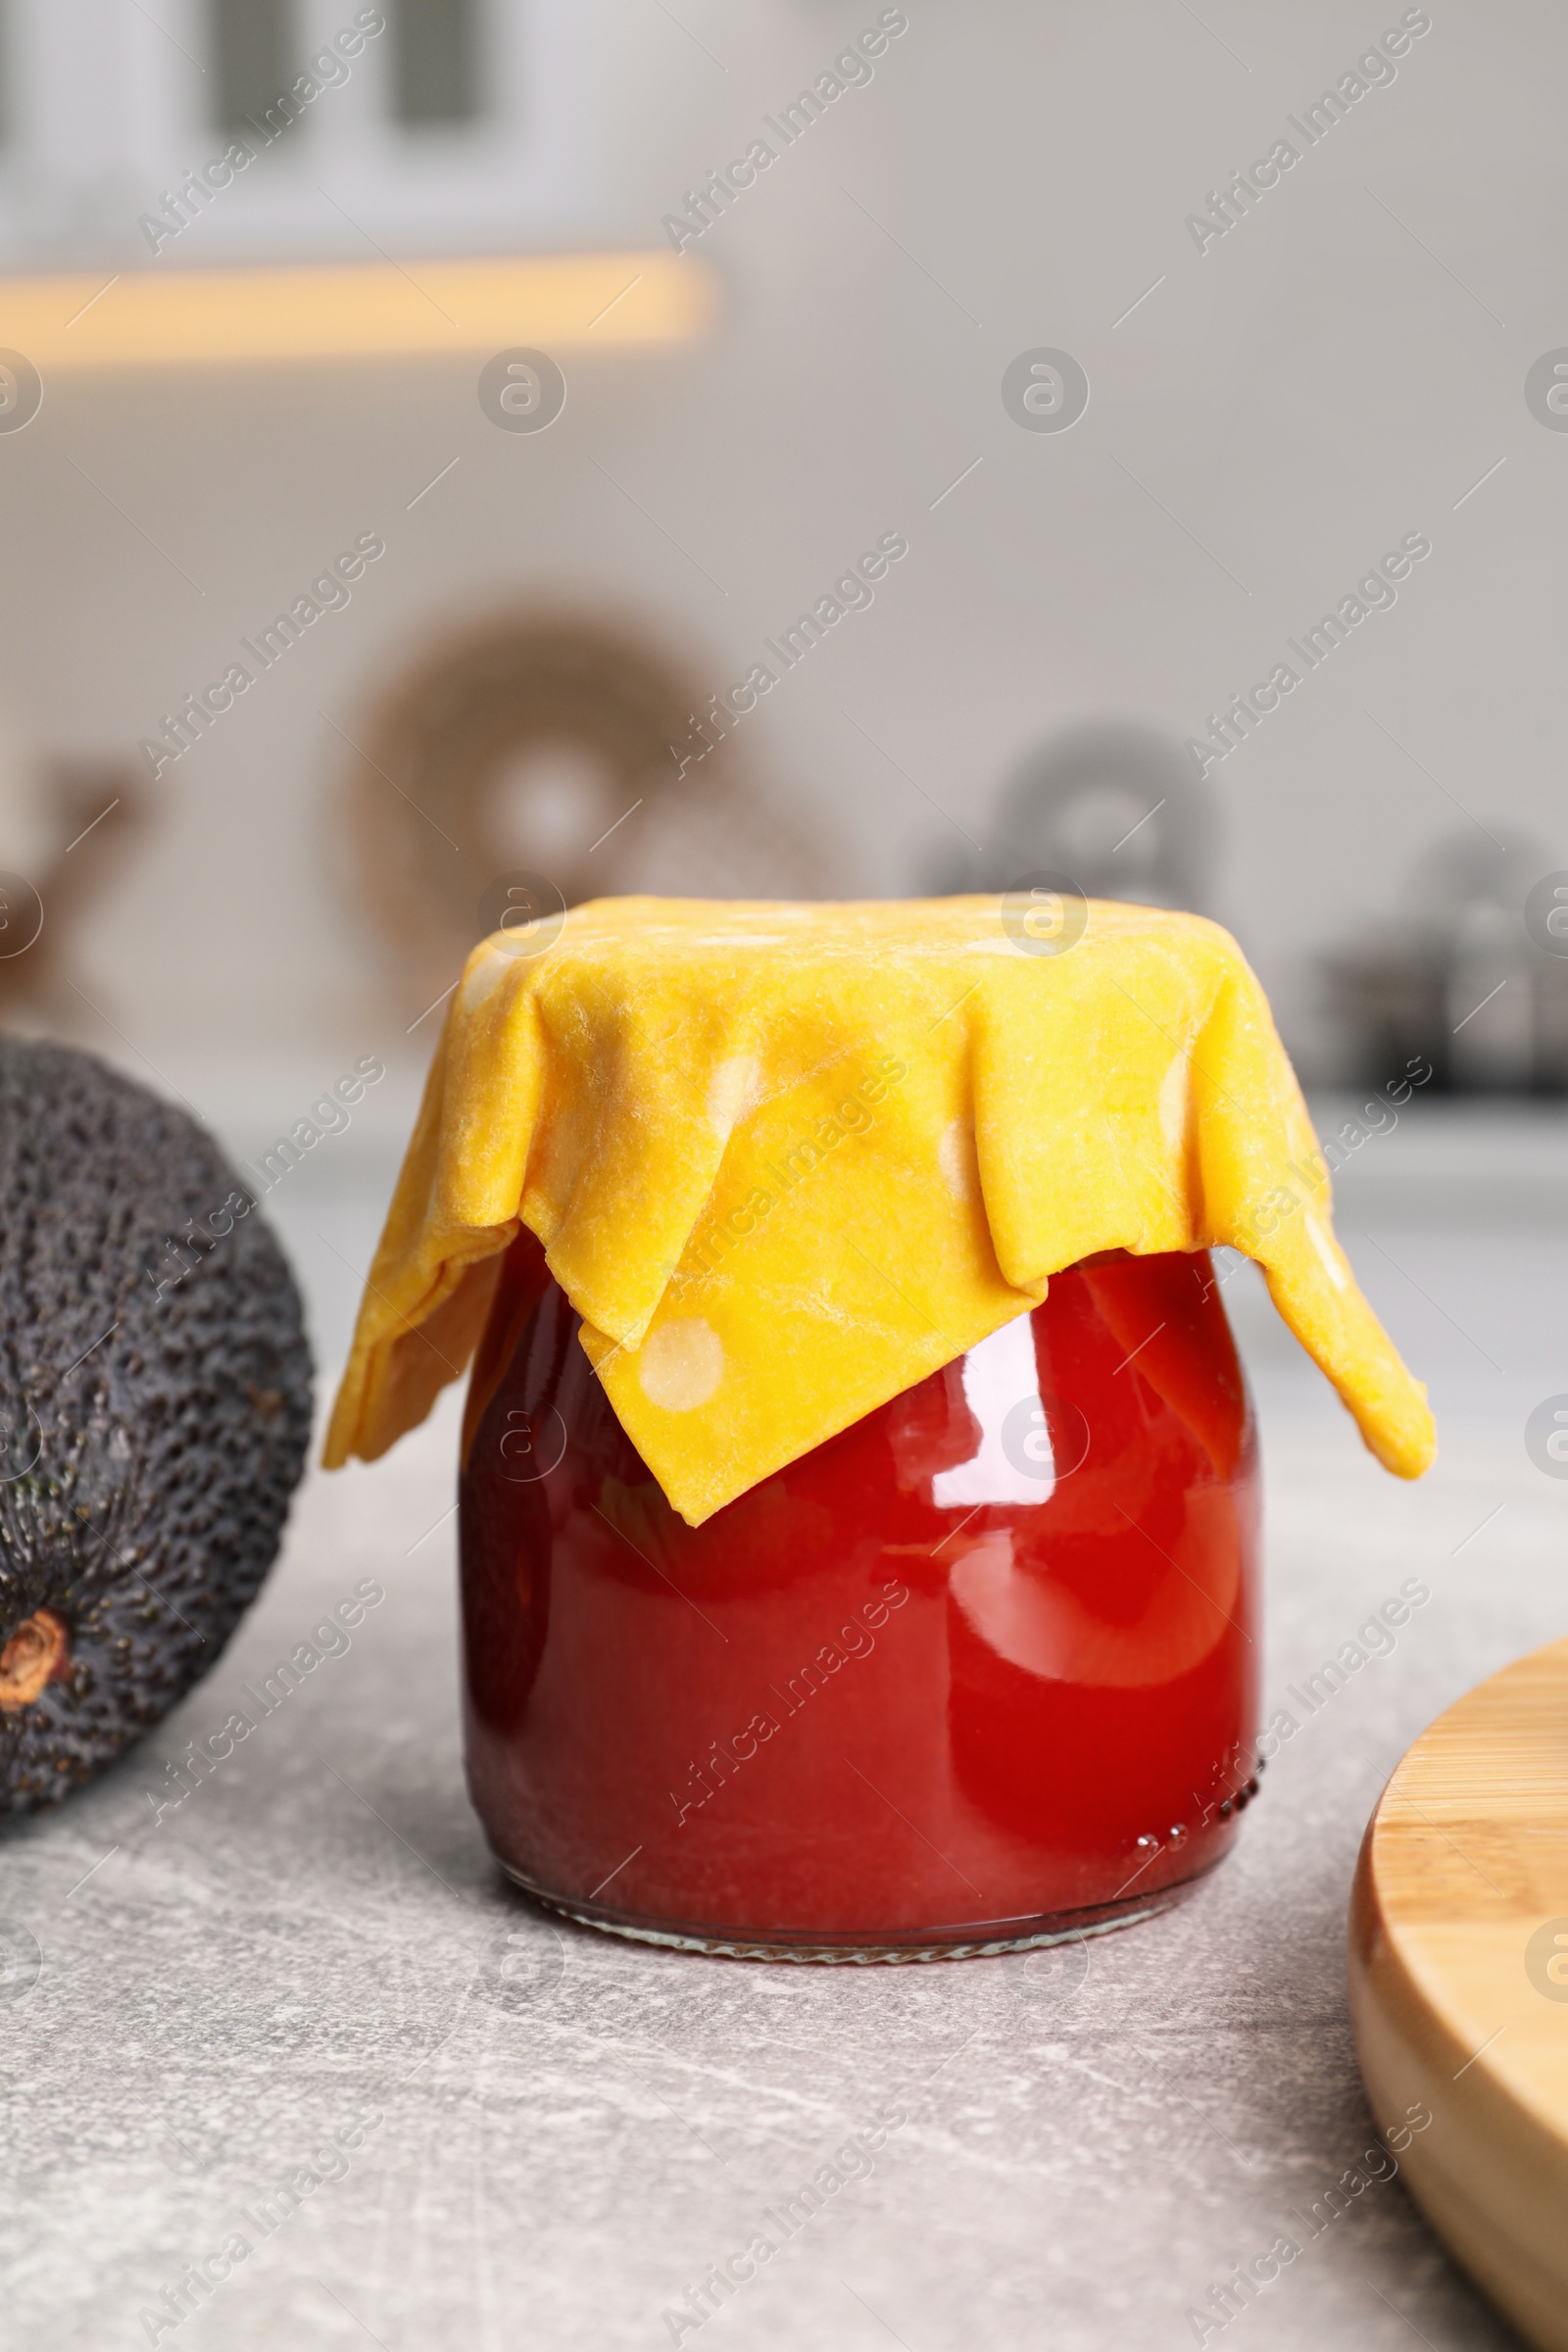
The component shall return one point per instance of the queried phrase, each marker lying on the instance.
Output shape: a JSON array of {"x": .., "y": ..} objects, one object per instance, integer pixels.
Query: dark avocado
[{"x": 155, "y": 1409}]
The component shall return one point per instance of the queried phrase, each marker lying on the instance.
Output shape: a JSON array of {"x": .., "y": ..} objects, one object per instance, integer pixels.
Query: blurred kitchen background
[{"x": 505, "y": 289}]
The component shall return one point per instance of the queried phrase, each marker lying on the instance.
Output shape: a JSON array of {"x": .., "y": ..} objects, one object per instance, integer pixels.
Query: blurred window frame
[
  {"x": 437, "y": 73},
  {"x": 113, "y": 123}
]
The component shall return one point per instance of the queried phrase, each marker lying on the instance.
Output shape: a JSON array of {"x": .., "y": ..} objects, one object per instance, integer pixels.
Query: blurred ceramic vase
[
  {"x": 1471, "y": 977},
  {"x": 1113, "y": 806}
]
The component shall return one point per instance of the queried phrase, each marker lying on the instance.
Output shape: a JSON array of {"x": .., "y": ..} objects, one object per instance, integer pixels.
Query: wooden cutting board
[{"x": 1460, "y": 1983}]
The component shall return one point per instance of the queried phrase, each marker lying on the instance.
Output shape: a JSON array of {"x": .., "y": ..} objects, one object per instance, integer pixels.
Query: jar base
[{"x": 979, "y": 1942}]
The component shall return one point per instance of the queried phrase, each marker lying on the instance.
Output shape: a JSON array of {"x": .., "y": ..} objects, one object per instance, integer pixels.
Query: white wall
[{"x": 1314, "y": 385}]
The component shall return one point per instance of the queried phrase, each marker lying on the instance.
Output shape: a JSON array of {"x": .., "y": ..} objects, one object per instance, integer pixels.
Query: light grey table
[{"x": 551, "y": 2134}]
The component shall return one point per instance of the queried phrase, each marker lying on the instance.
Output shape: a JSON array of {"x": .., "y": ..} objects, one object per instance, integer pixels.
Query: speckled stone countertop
[{"x": 505, "y": 2132}]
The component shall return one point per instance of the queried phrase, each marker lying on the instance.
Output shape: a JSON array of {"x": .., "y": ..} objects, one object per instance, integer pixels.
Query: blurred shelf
[{"x": 160, "y": 318}]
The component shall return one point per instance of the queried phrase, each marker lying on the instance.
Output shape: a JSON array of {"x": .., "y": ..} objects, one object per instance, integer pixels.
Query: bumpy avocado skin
[{"x": 169, "y": 1431}]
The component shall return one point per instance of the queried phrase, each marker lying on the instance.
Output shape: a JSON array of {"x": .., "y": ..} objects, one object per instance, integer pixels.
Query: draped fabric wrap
[{"x": 785, "y": 1160}]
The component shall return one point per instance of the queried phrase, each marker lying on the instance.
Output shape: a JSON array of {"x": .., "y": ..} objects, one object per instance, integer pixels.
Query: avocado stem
[{"x": 38, "y": 1651}]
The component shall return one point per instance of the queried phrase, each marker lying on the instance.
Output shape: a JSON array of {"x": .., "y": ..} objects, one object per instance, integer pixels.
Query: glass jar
[{"x": 978, "y": 1673}]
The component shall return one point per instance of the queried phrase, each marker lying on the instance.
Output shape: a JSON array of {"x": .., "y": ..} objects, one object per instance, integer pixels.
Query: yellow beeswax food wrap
[{"x": 787, "y": 1160}]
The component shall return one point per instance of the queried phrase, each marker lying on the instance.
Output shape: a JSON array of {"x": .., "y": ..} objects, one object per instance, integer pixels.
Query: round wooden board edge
[{"x": 1488, "y": 2171}]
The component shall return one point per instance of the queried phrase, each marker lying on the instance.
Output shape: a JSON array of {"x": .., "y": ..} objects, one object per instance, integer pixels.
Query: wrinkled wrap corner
[{"x": 785, "y": 1160}]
